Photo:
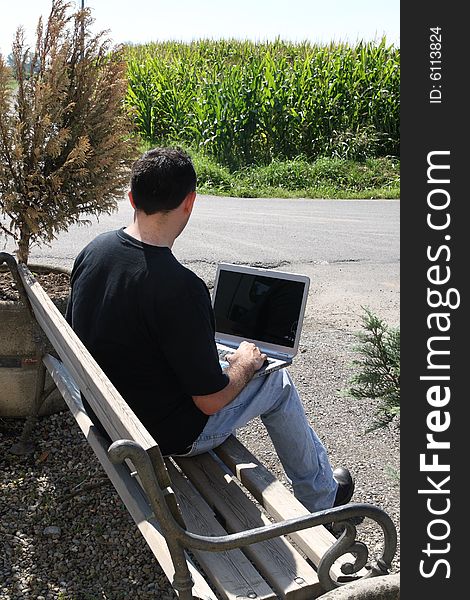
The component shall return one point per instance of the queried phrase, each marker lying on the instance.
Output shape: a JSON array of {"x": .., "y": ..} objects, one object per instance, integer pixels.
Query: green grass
[
  {"x": 329, "y": 178},
  {"x": 324, "y": 178}
]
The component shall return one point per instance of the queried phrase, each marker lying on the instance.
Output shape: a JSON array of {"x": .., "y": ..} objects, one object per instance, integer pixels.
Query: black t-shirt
[{"x": 148, "y": 322}]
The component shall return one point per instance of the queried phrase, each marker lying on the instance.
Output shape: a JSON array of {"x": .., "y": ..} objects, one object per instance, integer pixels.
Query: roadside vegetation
[
  {"x": 273, "y": 118},
  {"x": 325, "y": 177},
  {"x": 299, "y": 178},
  {"x": 377, "y": 368}
]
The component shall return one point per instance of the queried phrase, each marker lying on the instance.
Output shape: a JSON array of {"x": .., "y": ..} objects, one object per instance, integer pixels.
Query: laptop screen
[{"x": 258, "y": 307}]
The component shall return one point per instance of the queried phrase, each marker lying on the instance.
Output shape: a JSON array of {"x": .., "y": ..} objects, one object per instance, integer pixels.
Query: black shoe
[
  {"x": 346, "y": 485},
  {"x": 344, "y": 493}
]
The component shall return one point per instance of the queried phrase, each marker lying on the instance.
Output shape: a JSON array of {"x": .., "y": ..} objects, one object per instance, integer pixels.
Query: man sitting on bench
[{"x": 148, "y": 322}]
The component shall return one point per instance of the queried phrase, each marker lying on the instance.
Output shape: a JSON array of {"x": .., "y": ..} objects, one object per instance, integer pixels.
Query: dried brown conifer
[{"x": 64, "y": 134}]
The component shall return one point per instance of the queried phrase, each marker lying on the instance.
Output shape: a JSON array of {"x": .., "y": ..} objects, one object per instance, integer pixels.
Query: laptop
[{"x": 263, "y": 306}]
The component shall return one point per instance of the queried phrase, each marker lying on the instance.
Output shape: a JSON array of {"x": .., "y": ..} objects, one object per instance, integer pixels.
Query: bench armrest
[{"x": 123, "y": 450}]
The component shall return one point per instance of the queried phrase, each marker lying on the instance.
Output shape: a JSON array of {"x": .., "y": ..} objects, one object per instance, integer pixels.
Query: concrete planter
[{"x": 18, "y": 364}]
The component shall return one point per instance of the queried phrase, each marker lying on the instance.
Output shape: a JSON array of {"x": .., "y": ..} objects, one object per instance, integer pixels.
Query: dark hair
[{"x": 161, "y": 179}]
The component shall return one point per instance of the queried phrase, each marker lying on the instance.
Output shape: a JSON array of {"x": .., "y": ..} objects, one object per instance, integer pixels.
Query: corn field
[{"x": 246, "y": 103}]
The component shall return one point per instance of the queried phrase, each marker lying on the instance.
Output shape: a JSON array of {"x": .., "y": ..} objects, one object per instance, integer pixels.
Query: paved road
[
  {"x": 350, "y": 248},
  {"x": 263, "y": 231}
]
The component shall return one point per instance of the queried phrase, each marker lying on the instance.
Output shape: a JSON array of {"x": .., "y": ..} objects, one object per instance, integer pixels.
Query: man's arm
[{"x": 242, "y": 365}]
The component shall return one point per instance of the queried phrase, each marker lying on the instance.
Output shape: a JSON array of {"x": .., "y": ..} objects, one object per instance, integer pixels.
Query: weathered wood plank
[
  {"x": 126, "y": 486},
  {"x": 230, "y": 571},
  {"x": 278, "y": 501},
  {"x": 277, "y": 560}
]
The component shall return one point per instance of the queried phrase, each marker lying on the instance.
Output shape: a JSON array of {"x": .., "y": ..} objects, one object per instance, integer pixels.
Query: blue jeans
[{"x": 275, "y": 399}]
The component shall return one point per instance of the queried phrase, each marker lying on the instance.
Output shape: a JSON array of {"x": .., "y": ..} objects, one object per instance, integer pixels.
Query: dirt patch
[{"x": 56, "y": 285}]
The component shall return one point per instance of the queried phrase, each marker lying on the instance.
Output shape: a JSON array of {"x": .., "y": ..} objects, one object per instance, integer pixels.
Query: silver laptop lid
[{"x": 263, "y": 306}]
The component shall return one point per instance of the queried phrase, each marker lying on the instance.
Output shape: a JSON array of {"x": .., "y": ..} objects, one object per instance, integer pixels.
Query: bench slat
[
  {"x": 126, "y": 486},
  {"x": 116, "y": 416},
  {"x": 278, "y": 501},
  {"x": 230, "y": 571},
  {"x": 276, "y": 559}
]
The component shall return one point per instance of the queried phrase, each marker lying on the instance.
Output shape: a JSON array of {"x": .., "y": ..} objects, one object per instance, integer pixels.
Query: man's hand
[
  {"x": 243, "y": 363},
  {"x": 248, "y": 357}
]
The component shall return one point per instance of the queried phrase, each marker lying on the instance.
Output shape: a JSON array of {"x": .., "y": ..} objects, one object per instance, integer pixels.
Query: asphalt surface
[
  {"x": 269, "y": 231},
  {"x": 349, "y": 248}
]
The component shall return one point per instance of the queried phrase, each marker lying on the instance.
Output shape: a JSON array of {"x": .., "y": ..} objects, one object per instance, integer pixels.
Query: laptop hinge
[
  {"x": 282, "y": 355},
  {"x": 273, "y": 353}
]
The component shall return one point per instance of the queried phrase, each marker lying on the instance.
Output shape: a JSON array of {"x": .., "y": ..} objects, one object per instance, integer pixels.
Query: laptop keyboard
[{"x": 223, "y": 352}]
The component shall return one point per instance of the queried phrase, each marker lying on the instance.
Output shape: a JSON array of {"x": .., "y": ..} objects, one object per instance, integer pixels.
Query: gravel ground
[{"x": 64, "y": 532}]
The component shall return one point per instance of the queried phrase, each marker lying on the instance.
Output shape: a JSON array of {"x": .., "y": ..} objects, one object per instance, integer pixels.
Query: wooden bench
[{"x": 220, "y": 525}]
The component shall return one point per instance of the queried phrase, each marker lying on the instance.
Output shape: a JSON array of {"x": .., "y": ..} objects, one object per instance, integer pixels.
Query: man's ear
[
  {"x": 188, "y": 202},
  {"x": 131, "y": 199}
]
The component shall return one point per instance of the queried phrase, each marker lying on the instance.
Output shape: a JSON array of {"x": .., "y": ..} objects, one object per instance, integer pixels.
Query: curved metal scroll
[{"x": 347, "y": 544}]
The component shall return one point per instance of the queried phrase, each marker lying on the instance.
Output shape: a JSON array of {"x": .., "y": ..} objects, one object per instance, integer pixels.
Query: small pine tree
[
  {"x": 64, "y": 133},
  {"x": 379, "y": 367}
]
